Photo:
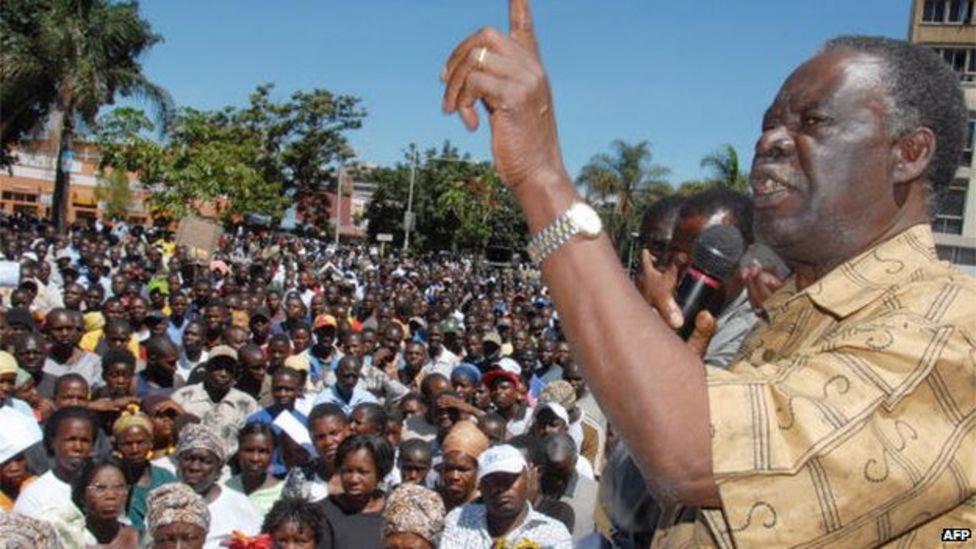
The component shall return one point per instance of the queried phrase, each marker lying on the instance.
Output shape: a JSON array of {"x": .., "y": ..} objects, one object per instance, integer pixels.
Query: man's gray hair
[{"x": 922, "y": 91}]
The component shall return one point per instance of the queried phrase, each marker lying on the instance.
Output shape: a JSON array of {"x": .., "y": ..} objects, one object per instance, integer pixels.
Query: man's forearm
[{"x": 651, "y": 385}]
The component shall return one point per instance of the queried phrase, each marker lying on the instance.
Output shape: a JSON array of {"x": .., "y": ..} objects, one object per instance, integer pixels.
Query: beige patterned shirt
[{"x": 849, "y": 419}]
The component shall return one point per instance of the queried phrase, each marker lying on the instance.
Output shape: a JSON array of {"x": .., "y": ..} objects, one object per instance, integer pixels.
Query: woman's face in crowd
[
  {"x": 13, "y": 472},
  {"x": 358, "y": 474},
  {"x": 199, "y": 469},
  {"x": 464, "y": 387},
  {"x": 254, "y": 454},
  {"x": 327, "y": 434},
  {"x": 163, "y": 419},
  {"x": 179, "y": 536},
  {"x": 135, "y": 444},
  {"x": 106, "y": 494}
]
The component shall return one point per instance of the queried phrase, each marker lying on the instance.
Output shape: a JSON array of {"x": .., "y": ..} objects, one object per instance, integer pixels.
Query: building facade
[
  {"x": 949, "y": 27},
  {"x": 27, "y": 186}
]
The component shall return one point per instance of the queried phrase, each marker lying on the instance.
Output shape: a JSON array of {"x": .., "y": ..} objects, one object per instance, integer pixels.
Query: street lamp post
[
  {"x": 408, "y": 216},
  {"x": 338, "y": 205}
]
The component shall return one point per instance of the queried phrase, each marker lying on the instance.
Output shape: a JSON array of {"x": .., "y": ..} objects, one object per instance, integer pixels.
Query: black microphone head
[{"x": 717, "y": 251}]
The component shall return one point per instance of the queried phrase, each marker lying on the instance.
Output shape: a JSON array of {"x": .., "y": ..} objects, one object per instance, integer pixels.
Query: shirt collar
[{"x": 861, "y": 280}]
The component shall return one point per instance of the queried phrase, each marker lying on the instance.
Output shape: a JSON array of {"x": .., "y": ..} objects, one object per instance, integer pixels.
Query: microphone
[{"x": 714, "y": 260}]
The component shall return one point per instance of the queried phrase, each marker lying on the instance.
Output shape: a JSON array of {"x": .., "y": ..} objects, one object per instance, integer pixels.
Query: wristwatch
[{"x": 579, "y": 219}]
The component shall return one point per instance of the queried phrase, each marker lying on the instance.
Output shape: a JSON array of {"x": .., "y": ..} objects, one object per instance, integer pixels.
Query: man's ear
[{"x": 913, "y": 153}]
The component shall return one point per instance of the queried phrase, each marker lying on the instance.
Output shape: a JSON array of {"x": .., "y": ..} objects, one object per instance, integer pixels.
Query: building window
[
  {"x": 957, "y": 255},
  {"x": 962, "y": 61},
  {"x": 953, "y": 12},
  {"x": 967, "y": 150},
  {"x": 19, "y": 197},
  {"x": 952, "y": 208}
]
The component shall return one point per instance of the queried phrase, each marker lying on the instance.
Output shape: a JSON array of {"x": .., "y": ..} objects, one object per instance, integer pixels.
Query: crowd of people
[{"x": 286, "y": 391}]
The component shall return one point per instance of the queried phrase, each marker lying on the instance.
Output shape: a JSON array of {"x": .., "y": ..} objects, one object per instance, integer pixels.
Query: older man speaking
[{"x": 848, "y": 418}]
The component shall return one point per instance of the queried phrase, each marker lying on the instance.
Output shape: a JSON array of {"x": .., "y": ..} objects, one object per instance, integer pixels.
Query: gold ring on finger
[{"x": 480, "y": 63}]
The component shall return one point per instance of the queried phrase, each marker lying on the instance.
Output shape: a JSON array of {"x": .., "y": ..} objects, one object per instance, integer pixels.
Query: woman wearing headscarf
[
  {"x": 22, "y": 532},
  {"x": 459, "y": 468},
  {"x": 413, "y": 518},
  {"x": 162, "y": 412},
  {"x": 177, "y": 517},
  {"x": 201, "y": 456},
  {"x": 133, "y": 433}
]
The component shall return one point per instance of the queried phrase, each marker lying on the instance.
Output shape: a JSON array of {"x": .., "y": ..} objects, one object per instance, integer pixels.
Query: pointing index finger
[{"x": 520, "y": 25}]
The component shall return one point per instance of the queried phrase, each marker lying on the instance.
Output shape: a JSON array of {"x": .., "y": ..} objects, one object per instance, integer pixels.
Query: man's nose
[{"x": 775, "y": 142}]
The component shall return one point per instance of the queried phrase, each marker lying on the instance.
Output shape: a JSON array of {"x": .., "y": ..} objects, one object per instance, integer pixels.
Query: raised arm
[{"x": 651, "y": 385}]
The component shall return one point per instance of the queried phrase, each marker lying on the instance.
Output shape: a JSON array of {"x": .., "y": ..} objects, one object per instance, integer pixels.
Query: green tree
[
  {"x": 257, "y": 159},
  {"x": 724, "y": 164},
  {"x": 113, "y": 190},
  {"x": 79, "y": 55},
  {"x": 621, "y": 183},
  {"x": 459, "y": 204}
]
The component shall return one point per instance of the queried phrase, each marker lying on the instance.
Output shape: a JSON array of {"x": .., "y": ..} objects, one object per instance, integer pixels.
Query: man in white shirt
[{"x": 506, "y": 517}]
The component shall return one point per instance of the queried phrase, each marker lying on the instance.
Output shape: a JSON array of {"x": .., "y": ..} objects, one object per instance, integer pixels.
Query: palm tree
[
  {"x": 81, "y": 55},
  {"x": 724, "y": 164},
  {"x": 622, "y": 182}
]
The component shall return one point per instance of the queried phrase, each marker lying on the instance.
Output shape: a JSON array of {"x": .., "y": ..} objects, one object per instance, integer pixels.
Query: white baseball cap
[
  {"x": 556, "y": 408},
  {"x": 19, "y": 432},
  {"x": 295, "y": 429},
  {"x": 509, "y": 365},
  {"x": 503, "y": 458}
]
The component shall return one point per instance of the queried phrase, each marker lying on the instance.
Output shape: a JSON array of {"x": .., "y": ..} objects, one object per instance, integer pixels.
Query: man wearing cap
[
  {"x": 215, "y": 401},
  {"x": 506, "y": 518},
  {"x": 589, "y": 436},
  {"x": 323, "y": 357},
  {"x": 563, "y": 479},
  {"x": 503, "y": 382}
]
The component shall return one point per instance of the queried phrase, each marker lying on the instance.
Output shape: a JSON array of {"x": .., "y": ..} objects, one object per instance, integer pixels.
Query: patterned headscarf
[
  {"x": 413, "y": 509},
  {"x": 559, "y": 391},
  {"x": 132, "y": 417},
  {"x": 197, "y": 437},
  {"x": 176, "y": 503},
  {"x": 22, "y": 532}
]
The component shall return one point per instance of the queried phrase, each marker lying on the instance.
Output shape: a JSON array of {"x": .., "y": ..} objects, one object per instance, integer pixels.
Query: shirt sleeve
[{"x": 852, "y": 441}]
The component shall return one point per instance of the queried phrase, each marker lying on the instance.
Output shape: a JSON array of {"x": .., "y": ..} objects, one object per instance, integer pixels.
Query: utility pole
[
  {"x": 338, "y": 205},
  {"x": 408, "y": 216}
]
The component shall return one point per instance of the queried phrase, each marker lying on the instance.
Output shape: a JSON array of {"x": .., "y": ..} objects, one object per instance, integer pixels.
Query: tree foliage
[
  {"x": 459, "y": 204},
  {"x": 65, "y": 59},
  {"x": 724, "y": 164},
  {"x": 113, "y": 191},
  {"x": 620, "y": 183},
  {"x": 256, "y": 159}
]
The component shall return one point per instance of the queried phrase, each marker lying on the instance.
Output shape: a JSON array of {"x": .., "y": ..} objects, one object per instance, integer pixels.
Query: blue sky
[{"x": 685, "y": 75}]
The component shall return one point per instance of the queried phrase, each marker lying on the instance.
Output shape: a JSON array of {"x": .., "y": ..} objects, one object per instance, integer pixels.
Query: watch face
[{"x": 587, "y": 219}]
